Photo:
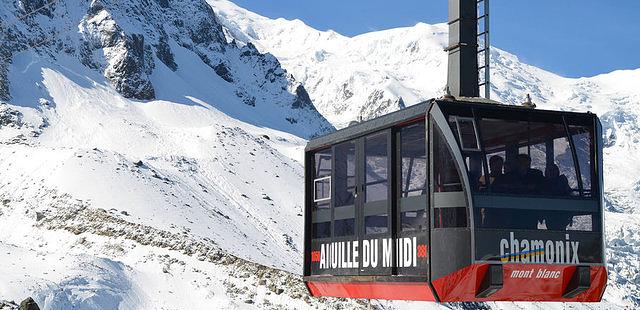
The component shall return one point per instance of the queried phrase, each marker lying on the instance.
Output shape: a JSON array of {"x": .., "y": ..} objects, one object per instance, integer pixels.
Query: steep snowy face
[{"x": 139, "y": 47}]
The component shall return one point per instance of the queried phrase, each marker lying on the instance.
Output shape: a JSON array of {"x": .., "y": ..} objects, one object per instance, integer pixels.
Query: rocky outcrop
[
  {"x": 223, "y": 71},
  {"x": 4, "y": 83},
  {"x": 28, "y": 304},
  {"x": 5, "y": 59},
  {"x": 43, "y": 7},
  {"x": 129, "y": 71},
  {"x": 164, "y": 53},
  {"x": 302, "y": 98}
]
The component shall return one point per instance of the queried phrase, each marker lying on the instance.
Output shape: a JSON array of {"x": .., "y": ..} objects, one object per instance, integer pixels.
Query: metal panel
[
  {"x": 343, "y": 212},
  {"x": 449, "y": 250},
  {"x": 376, "y": 208},
  {"x": 535, "y": 203},
  {"x": 322, "y": 215},
  {"x": 449, "y": 200},
  {"x": 413, "y": 203}
]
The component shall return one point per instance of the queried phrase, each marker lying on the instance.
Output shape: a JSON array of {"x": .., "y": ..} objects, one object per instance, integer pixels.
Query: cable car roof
[
  {"x": 398, "y": 117},
  {"x": 416, "y": 112}
]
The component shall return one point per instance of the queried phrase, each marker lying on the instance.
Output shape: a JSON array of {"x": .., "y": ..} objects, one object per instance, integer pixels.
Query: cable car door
[{"x": 374, "y": 204}]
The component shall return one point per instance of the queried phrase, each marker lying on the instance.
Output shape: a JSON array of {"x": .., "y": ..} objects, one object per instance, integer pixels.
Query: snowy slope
[{"x": 140, "y": 180}]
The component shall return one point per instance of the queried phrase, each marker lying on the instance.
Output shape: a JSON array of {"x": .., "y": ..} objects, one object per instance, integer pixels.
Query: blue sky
[{"x": 572, "y": 38}]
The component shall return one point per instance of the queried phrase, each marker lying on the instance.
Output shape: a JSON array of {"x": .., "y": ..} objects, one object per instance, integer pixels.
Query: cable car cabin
[{"x": 457, "y": 201}]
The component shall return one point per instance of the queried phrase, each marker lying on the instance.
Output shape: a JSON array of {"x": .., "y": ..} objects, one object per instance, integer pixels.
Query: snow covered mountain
[{"x": 150, "y": 150}]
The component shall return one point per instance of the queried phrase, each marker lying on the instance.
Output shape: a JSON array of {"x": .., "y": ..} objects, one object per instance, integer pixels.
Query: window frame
[
  {"x": 400, "y": 180},
  {"x": 457, "y": 119},
  {"x": 315, "y": 181}
]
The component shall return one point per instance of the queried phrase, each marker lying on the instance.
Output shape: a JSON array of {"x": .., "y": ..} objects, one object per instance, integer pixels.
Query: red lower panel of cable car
[
  {"x": 525, "y": 282},
  {"x": 373, "y": 290},
  {"x": 517, "y": 282}
]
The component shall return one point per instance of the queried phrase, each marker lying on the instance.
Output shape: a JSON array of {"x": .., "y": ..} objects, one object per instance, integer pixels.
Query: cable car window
[
  {"x": 449, "y": 202},
  {"x": 321, "y": 213},
  {"x": 563, "y": 168},
  {"x": 581, "y": 137},
  {"x": 533, "y": 159},
  {"x": 376, "y": 185},
  {"x": 465, "y": 130},
  {"x": 345, "y": 189},
  {"x": 413, "y": 179},
  {"x": 530, "y": 158}
]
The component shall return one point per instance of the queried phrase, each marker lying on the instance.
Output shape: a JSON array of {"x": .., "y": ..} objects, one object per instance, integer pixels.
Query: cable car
[{"x": 457, "y": 200}]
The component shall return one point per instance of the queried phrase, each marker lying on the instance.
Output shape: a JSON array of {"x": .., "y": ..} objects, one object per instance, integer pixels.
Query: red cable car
[{"x": 457, "y": 200}]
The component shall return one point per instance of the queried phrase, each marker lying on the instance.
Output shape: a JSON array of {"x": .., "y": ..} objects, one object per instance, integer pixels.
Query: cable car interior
[{"x": 457, "y": 201}]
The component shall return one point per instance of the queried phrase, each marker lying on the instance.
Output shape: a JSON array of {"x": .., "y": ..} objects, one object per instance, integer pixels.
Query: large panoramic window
[
  {"x": 526, "y": 158},
  {"x": 520, "y": 162}
]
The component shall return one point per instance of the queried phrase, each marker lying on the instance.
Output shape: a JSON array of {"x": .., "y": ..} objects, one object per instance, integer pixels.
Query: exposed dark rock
[
  {"x": 28, "y": 304},
  {"x": 250, "y": 50},
  {"x": 5, "y": 58},
  {"x": 274, "y": 73},
  {"x": 85, "y": 52},
  {"x": 246, "y": 99},
  {"x": 8, "y": 305},
  {"x": 94, "y": 8},
  {"x": 10, "y": 117},
  {"x": 207, "y": 29},
  {"x": 222, "y": 70},
  {"x": 4, "y": 83},
  {"x": 346, "y": 92},
  {"x": 43, "y": 7},
  {"x": 129, "y": 73},
  {"x": 302, "y": 98},
  {"x": 163, "y": 52},
  {"x": 163, "y": 3}
]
